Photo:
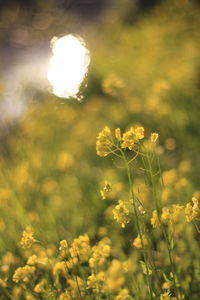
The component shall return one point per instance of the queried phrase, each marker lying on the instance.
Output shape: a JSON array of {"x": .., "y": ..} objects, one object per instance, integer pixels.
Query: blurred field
[{"x": 143, "y": 72}]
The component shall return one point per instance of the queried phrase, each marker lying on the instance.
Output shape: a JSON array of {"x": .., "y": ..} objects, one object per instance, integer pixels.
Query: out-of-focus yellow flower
[
  {"x": 65, "y": 296},
  {"x": 105, "y": 190},
  {"x": 167, "y": 285},
  {"x": 142, "y": 210},
  {"x": 154, "y": 220},
  {"x": 137, "y": 243},
  {"x": 80, "y": 248},
  {"x": 24, "y": 273},
  {"x": 60, "y": 268},
  {"x": 111, "y": 84},
  {"x": 131, "y": 137},
  {"x": 170, "y": 144},
  {"x": 77, "y": 286},
  {"x": 165, "y": 216},
  {"x": 123, "y": 295},
  {"x": 104, "y": 142},
  {"x": 99, "y": 253},
  {"x": 165, "y": 195},
  {"x": 118, "y": 134},
  {"x": 103, "y": 231},
  {"x": 170, "y": 177},
  {"x": 17, "y": 292},
  {"x": 176, "y": 209},
  {"x": 192, "y": 211},
  {"x": 27, "y": 239},
  {"x": 96, "y": 282},
  {"x": 184, "y": 166},
  {"x": 114, "y": 276},
  {"x": 65, "y": 161},
  {"x": 32, "y": 260},
  {"x": 121, "y": 213},
  {"x": 63, "y": 249},
  {"x": 39, "y": 288}
]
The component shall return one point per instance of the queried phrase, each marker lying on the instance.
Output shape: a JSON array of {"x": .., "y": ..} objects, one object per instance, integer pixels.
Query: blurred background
[{"x": 144, "y": 69}]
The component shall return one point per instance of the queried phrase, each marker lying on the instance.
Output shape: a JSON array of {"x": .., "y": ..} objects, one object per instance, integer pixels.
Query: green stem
[
  {"x": 137, "y": 221},
  {"x": 158, "y": 209}
]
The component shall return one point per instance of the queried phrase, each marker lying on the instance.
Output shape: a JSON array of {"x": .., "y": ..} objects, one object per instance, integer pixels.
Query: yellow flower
[
  {"x": 39, "y": 288},
  {"x": 118, "y": 134},
  {"x": 165, "y": 214},
  {"x": 154, "y": 220},
  {"x": 32, "y": 260},
  {"x": 106, "y": 189},
  {"x": 81, "y": 248},
  {"x": 63, "y": 248},
  {"x": 65, "y": 161},
  {"x": 99, "y": 253},
  {"x": 111, "y": 84},
  {"x": 96, "y": 281},
  {"x": 132, "y": 137},
  {"x": 27, "y": 239},
  {"x": 123, "y": 295},
  {"x": 104, "y": 142},
  {"x": 65, "y": 296},
  {"x": 191, "y": 212},
  {"x": 167, "y": 285},
  {"x": 137, "y": 243},
  {"x": 121, "y": 213},
  {"x": 23, "y": 273},
  {"x": 176, "y": 212},
  {"x": 114, "y": 276},
  {"x": 77, "y": 287},
  {"x": 60, "y": 268}
]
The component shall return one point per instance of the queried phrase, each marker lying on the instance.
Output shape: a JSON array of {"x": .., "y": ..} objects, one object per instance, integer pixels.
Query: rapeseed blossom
[
  {"x": 27, "y": 239},
  {"x": 100, "y": 252},
  {"x": 105, "y": 190},
  {"x": 131, "y": 137},
  {"x": 155, "y": 220},
  {"x": 121, "y": 213},
  {"x": 24, "y": 273},
  {"x": 104, "y": 142},
  {"x": 192, "y": 211}
]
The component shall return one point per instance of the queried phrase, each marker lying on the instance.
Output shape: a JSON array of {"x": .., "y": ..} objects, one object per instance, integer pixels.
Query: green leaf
[{"x": 144, "y": 268}]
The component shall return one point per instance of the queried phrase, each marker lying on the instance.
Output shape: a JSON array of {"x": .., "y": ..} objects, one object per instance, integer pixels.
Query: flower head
[
  {"x": 121, "y": 213},
  {"x": 27, "y": 239},
  {"x": 132, "y": 137},
  {"x": 104, "y": 142}
]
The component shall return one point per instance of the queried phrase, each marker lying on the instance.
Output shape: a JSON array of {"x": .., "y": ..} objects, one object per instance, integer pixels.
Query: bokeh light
[{"x": 68, "y": 65}]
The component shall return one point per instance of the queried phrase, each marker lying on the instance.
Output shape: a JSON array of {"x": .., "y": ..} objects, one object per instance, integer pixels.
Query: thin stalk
[
  {"x": 158, "y": 209},
  {"x": 137, "y": 221}
]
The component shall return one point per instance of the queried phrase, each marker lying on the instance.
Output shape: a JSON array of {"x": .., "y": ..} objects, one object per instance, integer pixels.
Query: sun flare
[{"x": 68, "y": 65}]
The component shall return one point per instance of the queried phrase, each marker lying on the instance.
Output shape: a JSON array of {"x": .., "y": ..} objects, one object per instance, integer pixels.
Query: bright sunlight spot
[{"x": 68, "y": 65}]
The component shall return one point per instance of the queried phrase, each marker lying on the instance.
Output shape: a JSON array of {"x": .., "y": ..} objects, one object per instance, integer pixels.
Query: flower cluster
[
  {"x": 23, "y": 273},
  {"x": 132, "y": 137},
  {"x": 121, "y": 213},
  {"x": 104, "y": 142},
  {"x": 100, "y": 252},
  {"x": 192, "y": 211},
  {"x": 80, "y": 248},
  {"x": 105, "y": 190},
  {"x": 27, "y": 239},
  {"x": 138, "y": 243}
]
